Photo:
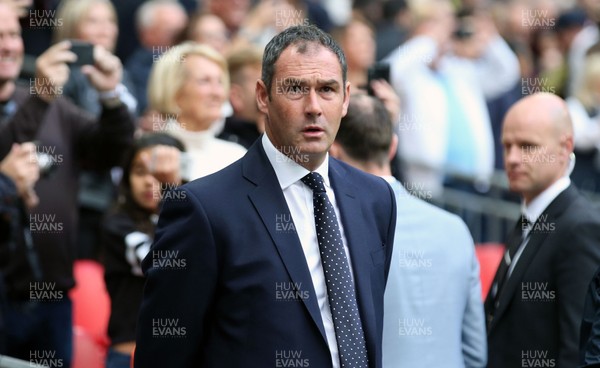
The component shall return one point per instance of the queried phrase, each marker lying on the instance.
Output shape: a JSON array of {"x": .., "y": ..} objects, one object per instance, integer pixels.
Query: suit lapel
[
  {"x": 512, "y": 284},
  {"x": 538, "y": 235},
  {"x": 514, "y": 239},
  {"x": 353, "y": 221},
  {"x": 269, "y": 202}
]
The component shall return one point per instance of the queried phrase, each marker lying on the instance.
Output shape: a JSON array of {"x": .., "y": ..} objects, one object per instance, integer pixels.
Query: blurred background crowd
[{"x": 109, "y": 139}]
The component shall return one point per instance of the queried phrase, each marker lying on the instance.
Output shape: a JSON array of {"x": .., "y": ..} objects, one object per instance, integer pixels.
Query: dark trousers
[{"x": 40, "y": 331}]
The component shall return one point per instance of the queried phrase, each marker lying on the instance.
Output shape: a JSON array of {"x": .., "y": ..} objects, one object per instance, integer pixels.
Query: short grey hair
[
  {"x": 144, "y": 15},
  {"x": 302, "y": 36}
]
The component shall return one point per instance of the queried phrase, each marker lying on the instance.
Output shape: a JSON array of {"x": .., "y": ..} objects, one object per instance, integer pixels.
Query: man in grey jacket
[{"x": 433, "y": 313}]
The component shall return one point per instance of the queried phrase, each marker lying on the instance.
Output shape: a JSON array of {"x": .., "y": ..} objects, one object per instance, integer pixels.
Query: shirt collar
[
  {"x": 288, "y": 171},
  {"x": 395, "y": 184},
  {"x": 389, "y": 178},
  {"x": 543, "y": 200}
]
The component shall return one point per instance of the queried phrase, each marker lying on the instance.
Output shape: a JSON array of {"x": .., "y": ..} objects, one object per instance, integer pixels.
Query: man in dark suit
[
  {"x": 589, "y": 342},
  {"x": 535, "y": 304},
  {"x": 281, "y": 258}
]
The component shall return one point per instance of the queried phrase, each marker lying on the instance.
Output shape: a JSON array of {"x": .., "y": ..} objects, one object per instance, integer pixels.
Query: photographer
[
  {"x": 445, "y": 73},
  {"x": 39, "y": 311},
  {"x": 357, "y": 39}
]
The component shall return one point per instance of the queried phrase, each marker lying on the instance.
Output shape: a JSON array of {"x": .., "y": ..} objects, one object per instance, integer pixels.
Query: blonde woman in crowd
[{"x": 187, "y": 88}]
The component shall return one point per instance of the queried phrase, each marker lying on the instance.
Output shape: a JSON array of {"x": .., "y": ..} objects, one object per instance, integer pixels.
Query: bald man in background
[{"x": 535, "y": 305}]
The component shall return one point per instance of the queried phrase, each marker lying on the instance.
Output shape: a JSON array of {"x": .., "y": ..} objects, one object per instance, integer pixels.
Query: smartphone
[
  {"x": 84, "y": 52},
  {"x": 465, "y": 28},
  {"x": 377, "y": 71}
]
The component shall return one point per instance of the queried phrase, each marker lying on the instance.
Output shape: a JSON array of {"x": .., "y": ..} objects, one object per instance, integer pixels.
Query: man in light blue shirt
[{"x": 433, "y": 313}]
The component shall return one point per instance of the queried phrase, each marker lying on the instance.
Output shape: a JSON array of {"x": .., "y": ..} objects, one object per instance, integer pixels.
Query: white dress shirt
[
  {"x": 534, "y": 210},
  {"x": 299, "y": 198}
]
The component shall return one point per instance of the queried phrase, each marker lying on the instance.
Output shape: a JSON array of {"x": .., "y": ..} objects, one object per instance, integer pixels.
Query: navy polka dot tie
[{"x": 338, "y": 277}]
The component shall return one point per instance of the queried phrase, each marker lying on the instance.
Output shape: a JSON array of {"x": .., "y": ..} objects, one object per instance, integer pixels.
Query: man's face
[
  {"x": 232, "y": 12},
  {"x": 169, "y": 22},
  {"x": 11, "y": 45},
  {"x": 535, "y": 153},
  {"x": 211, "y": 30},
  {"x": 359, "y": 46},
  {"x": 307, "y": 100}
]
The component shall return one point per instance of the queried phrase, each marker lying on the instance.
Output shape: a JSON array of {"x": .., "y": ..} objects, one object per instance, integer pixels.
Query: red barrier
[
  {"x": 489, "y": 256},
  {"x": 91, "y": 310}
]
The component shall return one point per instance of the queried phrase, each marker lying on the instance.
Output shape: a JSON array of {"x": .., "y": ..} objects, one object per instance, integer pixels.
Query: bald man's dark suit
[{"x": 537, "y": 319}]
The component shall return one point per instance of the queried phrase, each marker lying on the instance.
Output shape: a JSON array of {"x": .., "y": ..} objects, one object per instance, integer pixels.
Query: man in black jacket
[
  {"x": 18, "y": 174},
  {"x": 589, "y": 344},
  {"x": 38, "y": 269},
  {"x": 536, "y": 301}
]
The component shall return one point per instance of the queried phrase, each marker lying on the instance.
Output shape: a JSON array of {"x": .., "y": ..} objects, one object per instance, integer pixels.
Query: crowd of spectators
[{"x": 473, "y": 59}]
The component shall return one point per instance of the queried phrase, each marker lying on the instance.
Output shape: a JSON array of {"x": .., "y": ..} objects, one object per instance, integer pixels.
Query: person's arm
[
  {"x": 575, "y": 265},
  {"x": 474, "y": 339},
  {"x": 128, "y": 97},
  {"x": 417, "y": 52},
  {"x": 21, "y": 167},
  {"x": 23, "y": 125},
  {"x": 425, "y": 47},
  {"x": 486, "y": 58},
  {"x": 498, "y": 68},
  {"x": 19, "y": 172},
  {"x": 385, "y": 92},
  {"x": 182, "y": 297},
  {"x": 8, "y": 190},
  {"x": 101, "y": 144}
]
